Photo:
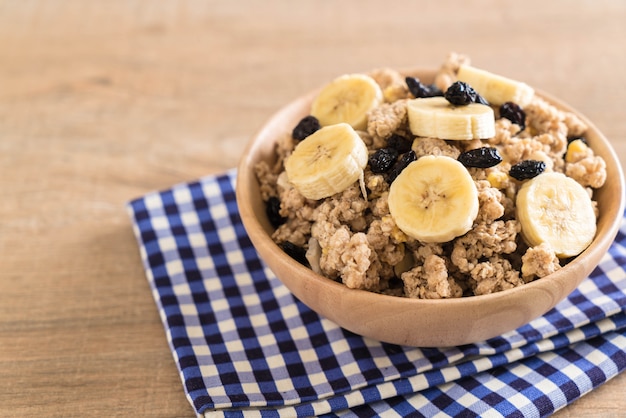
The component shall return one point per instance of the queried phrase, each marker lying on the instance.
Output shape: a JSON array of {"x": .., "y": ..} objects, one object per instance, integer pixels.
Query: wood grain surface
[{"x": 103, "y": 101}]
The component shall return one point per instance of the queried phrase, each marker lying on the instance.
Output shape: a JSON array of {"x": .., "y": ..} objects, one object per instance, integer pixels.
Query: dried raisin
[
  {"x": 527, "y": 169},
  {"x": 382, "y": 160},
  {"x": 514, "y": 113},
  {"x": 421, "y": 90},
  {"x": 461, "y": 94},
  {"x": 484, "y": 157},
  {"x": 400, "y": 143},
  {"x": 272, "y": 209},
  {"x": 295, "y": 252},
  {"x": 404, "y": 160},
  {"x": 305, "y": 127}
]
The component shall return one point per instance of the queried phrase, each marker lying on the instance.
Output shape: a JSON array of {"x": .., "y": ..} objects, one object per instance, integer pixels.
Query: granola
[{"x": 351, "y": 237}]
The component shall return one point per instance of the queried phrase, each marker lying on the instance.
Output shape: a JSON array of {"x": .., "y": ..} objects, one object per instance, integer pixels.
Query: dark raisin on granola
[
  {"x": 513, "y": 112},
  {"x": 460, "y": 94},
  {"x": 295, "y": 252},
  {"x": 421, "y": 90},
  {"x": 382, "y": 160},
  {"x": 304, "y": 128},
  {"x": 527, "y": 169},
  {"x": 483, "y": 157},
  {"x": 434, "y": 90},
  {"x": 400, "y": 143},
  {"x": 404, "y": 160},
  {"x": 272, "y": 209}
]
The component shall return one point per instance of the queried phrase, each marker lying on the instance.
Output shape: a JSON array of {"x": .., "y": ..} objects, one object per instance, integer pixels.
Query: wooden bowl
[{"x": 421, "y": 322}]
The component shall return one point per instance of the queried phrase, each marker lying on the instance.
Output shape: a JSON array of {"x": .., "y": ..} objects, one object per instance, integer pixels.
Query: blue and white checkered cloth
[{"x": 245, "y": 346}]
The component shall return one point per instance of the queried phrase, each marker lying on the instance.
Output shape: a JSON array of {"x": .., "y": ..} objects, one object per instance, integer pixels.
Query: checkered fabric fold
[{"x": 245, "y": 346}]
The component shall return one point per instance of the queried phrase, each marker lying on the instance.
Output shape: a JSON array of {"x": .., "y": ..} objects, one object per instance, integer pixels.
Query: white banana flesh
[
  {"x": 555, "y": 209},
  {"x": 327, "y": 161},
  {"x": 435, "y": 117},
  {"x": 495, "y": 88},
  {"x": 434, "y": 199},
  {"x": 347, "y": 99}
]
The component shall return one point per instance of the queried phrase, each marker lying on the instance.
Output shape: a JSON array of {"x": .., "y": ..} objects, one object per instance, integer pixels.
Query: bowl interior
[{"x": 421, "y": 322}]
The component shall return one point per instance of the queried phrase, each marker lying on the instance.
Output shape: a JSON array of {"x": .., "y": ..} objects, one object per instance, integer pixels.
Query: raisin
[
  {"x": 527, "y": 169},
  {"x": 514, "y": 113},
  {"x": 305, "y": 127},
  {"x": 404, "y": 160},
  {"x": 272, "y": 209},
  {"x": 382, "y": 160},
  {"x": 400, "y": 143},
  {"x": 435, "y": 91},
  {"x": 461, "y": 94},
  {"x": 484, "y": 157},
  {"x": 295, "y": 252},
  {"x": 421, "y": 90}
]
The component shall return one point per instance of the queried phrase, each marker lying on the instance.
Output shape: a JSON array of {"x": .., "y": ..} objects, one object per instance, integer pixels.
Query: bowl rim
[{"x": 600, "y": 244}]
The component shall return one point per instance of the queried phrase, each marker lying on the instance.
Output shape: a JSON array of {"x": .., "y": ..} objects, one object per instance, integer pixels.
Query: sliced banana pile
[
  {"x": 435, "y": 199},
  {"x": 334, "y": 157}
]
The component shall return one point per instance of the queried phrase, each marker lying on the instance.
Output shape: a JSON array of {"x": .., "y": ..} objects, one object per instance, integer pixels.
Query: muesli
[{"x": 467, "y": 186}]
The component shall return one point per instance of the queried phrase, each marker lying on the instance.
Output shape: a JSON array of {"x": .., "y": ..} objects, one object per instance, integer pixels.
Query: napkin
[{"x": 245, "y": 346}]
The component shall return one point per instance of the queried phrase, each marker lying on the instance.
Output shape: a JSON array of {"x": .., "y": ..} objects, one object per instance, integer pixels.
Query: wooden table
[{"x": 103, "y": 101}]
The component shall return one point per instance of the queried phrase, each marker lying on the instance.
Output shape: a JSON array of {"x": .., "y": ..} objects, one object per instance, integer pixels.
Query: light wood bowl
[{"x": 420, "y": 322}]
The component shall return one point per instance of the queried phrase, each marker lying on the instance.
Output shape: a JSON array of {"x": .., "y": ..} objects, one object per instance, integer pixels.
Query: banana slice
[
  {"x": 555, "y": 209},
  {"x": 435, "y": 117},
  {"x": 496, "y": 89},
  {"x": 348, "y": 99},
  {"x": 327, "y": 161},
  {"x": 434, "y": 199}
]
